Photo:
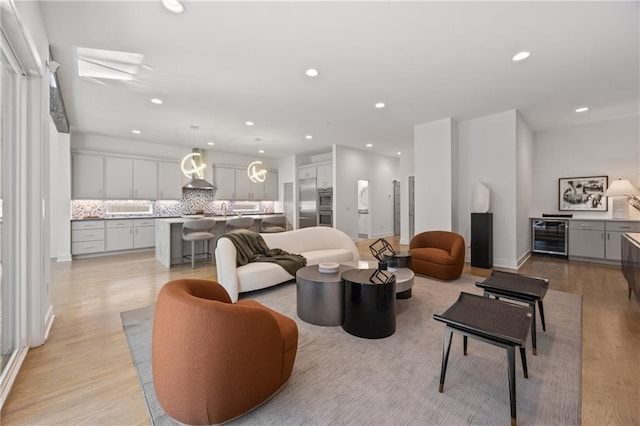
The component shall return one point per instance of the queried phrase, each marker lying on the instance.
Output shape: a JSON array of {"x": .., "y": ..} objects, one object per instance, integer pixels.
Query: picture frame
[{"x": 583, "y": 193}]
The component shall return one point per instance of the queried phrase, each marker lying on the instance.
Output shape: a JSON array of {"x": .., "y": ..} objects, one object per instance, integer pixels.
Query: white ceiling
[{"x": 220, "y": 64}]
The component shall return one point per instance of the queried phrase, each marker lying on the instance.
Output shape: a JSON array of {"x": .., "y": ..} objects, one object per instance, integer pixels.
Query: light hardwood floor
[{"x": 84, "y": 373}]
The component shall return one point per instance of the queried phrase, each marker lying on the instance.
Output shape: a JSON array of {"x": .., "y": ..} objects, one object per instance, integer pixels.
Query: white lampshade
[{"x": 621, "y": 188}]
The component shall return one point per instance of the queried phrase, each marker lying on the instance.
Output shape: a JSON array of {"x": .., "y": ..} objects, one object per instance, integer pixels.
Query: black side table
[
  {"x": 522, "y": 288},
  {"x": 492, "y": 321},
  {"x": 399, "y": 260},
  {"x": 369, "y": 303}
]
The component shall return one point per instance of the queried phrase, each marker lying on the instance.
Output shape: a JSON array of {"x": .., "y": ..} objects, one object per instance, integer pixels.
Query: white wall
[
  {"x": 610, "y": 148},
  {"x": 287, "y": 173},
  {"x": 434, "y": 147},
  {"x": 487, "y": 154},
  {"x": 352, "y": 165},
  {"x": 524, "y": 188},
  {"x": 60, "y": 186}
]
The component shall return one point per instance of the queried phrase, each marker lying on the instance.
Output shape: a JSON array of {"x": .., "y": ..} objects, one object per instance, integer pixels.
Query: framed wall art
[{"x": 583, "y": 193}]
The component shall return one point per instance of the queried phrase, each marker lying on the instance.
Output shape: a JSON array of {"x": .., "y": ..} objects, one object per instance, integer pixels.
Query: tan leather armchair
[
  {"x": 214, "y": 360},
  {"x": 438, "y": 254}
]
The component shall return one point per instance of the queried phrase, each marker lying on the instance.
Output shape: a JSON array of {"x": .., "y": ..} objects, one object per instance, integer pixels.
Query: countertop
[
  {"x": 221, "y": 218},
  {"x": 582, "y": 219},
  {"x": 181, "y": 218},
  {"x": 635, "y": 236}
]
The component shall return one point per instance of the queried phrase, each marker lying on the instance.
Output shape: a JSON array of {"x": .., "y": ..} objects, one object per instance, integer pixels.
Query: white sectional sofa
[{"x": 317, "y": 245}]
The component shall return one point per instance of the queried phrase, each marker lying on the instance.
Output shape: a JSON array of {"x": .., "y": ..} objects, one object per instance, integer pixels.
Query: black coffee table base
[
  {"x": 369, "y": 309},
  {"x": 404, "y": 294}
]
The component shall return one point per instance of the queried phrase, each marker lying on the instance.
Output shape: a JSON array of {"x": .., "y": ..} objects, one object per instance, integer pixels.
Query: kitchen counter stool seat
[
  {"x": 239, "y": 223},
  {"x": 198, "y": 230}
]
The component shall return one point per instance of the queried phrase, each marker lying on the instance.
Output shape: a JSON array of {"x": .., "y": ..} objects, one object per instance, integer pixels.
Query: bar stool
[
  {"x": 239, "y": 223},
  {"x": 273, "y": 224},
  {"x": 198, "y": 230}
]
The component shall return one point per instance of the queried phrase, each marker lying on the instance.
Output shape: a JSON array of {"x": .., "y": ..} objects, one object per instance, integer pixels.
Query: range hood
[{"x": 192, "y": 164}]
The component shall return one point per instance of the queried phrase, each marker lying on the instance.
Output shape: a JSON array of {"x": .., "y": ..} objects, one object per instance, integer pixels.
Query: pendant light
[
  {"x": 256, "y": 174},
  {"x": 193, "y": 166}
]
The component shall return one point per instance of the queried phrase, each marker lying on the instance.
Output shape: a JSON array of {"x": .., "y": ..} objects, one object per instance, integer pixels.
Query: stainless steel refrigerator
[{"x": 307, "y": 203}]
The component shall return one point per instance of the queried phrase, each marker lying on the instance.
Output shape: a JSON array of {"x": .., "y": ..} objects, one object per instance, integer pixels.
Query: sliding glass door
[{"x": 11, "y": 295}]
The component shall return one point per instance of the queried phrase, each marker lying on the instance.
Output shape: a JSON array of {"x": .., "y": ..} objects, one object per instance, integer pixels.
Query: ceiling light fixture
[
  {"x": 369, "y": 145},
  {"x": 582, "y": 109},
  {"x": 380, "y": 105},
  {"x": 308, "y": 137},
  {"x": 312, "y": 72},
  {"x": 156, "y": 101},
  {"x": 211, "y": 143},
  {"x": 249, "y": 123},
  {"x": 520, "y": 56},
  {"x": 173, "y": 6},
  {"x": 399, "y": 153},
  {"x": 137, "y": 132},
  {"x": 261, "y": 151}
]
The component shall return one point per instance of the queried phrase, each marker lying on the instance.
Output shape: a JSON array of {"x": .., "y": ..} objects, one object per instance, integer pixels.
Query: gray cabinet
[
  {"x": 613, "y": 240},
  {"x": 169, "y": 181},
  {"x": 586, "y": 239},
  {"x": 87, "y": 237},
  {"x": 131, "y": 179},
  {"x": 119, "y": 235},
  {"x": 324, "y": 176},
  {"x": 144, "y": 233},
  {"x": 88, "y": 176},
  {"x": 233, "y": 183},
  {"x": 225, "y": 180}
]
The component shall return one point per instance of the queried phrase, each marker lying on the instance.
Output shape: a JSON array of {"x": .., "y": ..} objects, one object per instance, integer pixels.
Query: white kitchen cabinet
[
  {"x": 586, "y": 239},
  {"x": 88, "y": 176},
  {"x": 224, "y": 178},
  {"x": 169, "y": 181},
  {"x": 324, "y": 176},
  {"x": 271, "y": 186},
  {"x": 119, "y": 235},
  {"x": 305, "y": 172},
  {"x": 246, "y": 189},
  {"x": 87, "y": 237},
  {"x": 144, "y": 233},
  {"x": 119, "y": 178},
  {"x": 145, "y": 179},
  {"x": 613, "y": 241},
  {"x": 131, "y": 179}
]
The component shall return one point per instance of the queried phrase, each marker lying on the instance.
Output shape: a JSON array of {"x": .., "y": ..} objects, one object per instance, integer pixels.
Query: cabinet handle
[
  {"x": 136, "y": 230},
  {"x": 585, "y": 225},
  {"x": 608, "y": 235},
  {"x": 161, "y": 193},
  {"x": 625, "y": 227},
  {"x": 602, "y": 236},
  {"x": 99, "y": 192}
]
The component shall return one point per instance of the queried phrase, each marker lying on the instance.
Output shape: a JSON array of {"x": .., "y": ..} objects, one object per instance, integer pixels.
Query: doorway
[{"x": 364, "y": 217}]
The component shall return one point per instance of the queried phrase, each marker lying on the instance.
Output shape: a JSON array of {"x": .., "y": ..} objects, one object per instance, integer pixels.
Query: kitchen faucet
[{"x": 224, "y": 209}]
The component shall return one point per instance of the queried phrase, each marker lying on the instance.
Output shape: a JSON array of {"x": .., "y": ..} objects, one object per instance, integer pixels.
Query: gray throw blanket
[{"x": 251, "y": 247}]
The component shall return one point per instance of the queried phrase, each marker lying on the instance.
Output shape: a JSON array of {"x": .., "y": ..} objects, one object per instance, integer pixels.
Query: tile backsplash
[{"x": 193, "y": 201}]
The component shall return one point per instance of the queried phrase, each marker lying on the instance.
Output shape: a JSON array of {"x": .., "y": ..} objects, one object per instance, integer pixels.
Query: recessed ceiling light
[
  {"x": 261, "y": 151},
  {"x": 156, "y": 101},
  {"x": 249, "y": 123},
  {"x": 399, "y": 153},
  {"x": 308, "y": 137},
  {"x": 173, "y": 6},
  {"x": 582, "y": 109},
  {"x": 211, "y": 143},
  {"x": 380, "y": 105},
  {"x": 369, "y": 145},
  {"x": 312, "y": 72},
  {"x": 137, "y": 132},
  {"x": 520, "y": 56}
]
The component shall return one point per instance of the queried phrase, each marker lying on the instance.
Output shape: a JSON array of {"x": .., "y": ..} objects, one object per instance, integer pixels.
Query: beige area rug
[{"x": 342, "y": 379}]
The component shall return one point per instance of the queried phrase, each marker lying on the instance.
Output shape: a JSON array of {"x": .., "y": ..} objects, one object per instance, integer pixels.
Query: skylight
[{"x": 108, "y": 64}]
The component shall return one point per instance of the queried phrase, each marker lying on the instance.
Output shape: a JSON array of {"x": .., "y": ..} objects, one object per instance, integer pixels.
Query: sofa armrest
[
  {"x": 457, "y": 250},
  {"x": 226, "y": 267}
]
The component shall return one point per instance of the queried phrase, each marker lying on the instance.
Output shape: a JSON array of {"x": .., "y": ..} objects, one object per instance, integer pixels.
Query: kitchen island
[{"x": 169, "y": 246}]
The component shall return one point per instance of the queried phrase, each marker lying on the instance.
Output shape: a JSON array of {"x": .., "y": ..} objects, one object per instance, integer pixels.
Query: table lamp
[
  {"x": 381, "y": 250},
  {"x": 620, "y": 190}
]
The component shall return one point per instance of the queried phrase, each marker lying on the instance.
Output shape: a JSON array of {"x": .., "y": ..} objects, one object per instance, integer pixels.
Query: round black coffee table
[{"x": 369, "y": 303}]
